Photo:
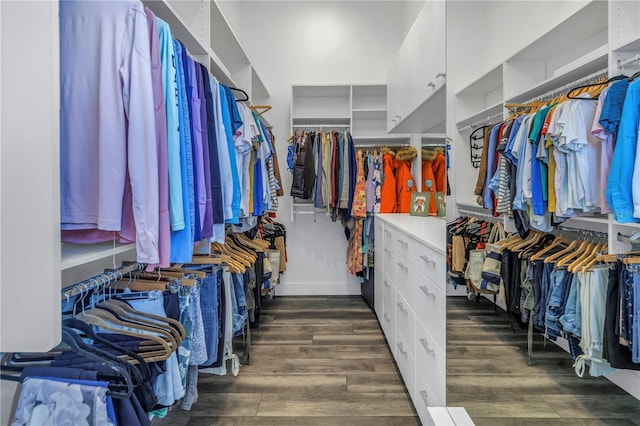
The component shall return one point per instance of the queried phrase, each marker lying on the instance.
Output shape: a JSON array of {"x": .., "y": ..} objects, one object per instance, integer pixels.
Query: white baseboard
[{"x": 318, "y": 289}]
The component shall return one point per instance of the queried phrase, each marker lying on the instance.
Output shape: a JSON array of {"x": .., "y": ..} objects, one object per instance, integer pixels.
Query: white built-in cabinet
[
  {"x": 416, "y": 78},
  {"x": 34, "y": 264},
  {"x": 595, "y": 37},
  {"x": 410, "y": 302}
]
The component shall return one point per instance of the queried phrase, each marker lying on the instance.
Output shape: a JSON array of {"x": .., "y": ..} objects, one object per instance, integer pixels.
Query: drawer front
[
  {"x": 389, "y": 261},
  {"x": 431, "y": 362},
  {"x": 430, "y": 306},
  {"x": 379, "y": 270},
  {"x": 399, "y": 240},
  {"x": 406, "y": 365},
  {"x": 406, "y": 324},
  {"x": 403, "y": 278},
  {"x": 431, "y": 412},
  {"x": 429, "y": 262},
  {"x": 388, "y": 313}
]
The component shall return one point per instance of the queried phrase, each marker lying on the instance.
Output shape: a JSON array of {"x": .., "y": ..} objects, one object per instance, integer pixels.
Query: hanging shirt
[
  {"x": 230, "y": 126},
  {"x": 224, "y": 160},
  {"x": 264, "y": 154},
  {"x": 519, "y": 153},
  {"x": 491, "y": 160},
  {"x": 606, "y": 152},
  {"x": 107, "y": 124},
  {"x": 182, "y": 241},
  {"x": 207, "y": 221},
  {"x": 244, "y": 137},
  {"x": 612, "y": 108},
  {"x": 538, "y": 204},
  {"x": 169, "y": 81}
]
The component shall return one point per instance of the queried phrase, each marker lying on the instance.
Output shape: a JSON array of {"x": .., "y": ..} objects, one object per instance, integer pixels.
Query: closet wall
[
  {"x": 319, "y": 43},
  {"x": 558, "y": 43}
]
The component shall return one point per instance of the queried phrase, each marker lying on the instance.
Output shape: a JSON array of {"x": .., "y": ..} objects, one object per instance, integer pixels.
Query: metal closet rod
[
  {"x": 622, "y": 62},
  {"x": 479, "y": 214},
  {"x": 583, "y": 232},
  {"x": 484, "y": 121},
  {"x": 99, "y": 280},
  {"x": 567, "y": 87}
]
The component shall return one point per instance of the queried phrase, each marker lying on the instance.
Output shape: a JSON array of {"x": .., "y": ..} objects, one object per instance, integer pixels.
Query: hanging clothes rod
[
  {"x": 99, "y": 280},
  {"x": 472, "y": 213},
  {"x": 629, "y": 238},
  {"x": 483, "y": 122},
  {"x": 567, "y": 87},
  {"x": 380, "y": 145},
  {"x": 622, "y": 62},
  {"x": 583, "y": 232}
]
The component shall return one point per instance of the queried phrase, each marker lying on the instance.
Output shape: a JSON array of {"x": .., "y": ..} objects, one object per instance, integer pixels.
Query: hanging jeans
[
  {"x": 209, "y": 302},
  {"x": 557, "y": 300}
]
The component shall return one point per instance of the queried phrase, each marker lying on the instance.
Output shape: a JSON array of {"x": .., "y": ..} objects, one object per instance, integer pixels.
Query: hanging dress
[{"x": 405, "y": 185}]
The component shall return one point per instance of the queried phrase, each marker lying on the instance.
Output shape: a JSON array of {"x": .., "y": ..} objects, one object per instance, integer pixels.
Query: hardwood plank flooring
[
  {"x": 314, "y": 361},
  {"x": 489, "y": 375}
]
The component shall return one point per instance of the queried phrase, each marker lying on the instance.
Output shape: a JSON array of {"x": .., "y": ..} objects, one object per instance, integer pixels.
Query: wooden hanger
[
  {"x": 590, "y": 252},
  {"x": 568, "y": 257},
  {"x": 599, "y": 258},
  {"x": 531, "y": 239},
  {"x": 572, "y": 245},
  {"x": 557, "y": 242},
  {"x": 263, "y": 108},
  {"x": 635, "y": 260}
]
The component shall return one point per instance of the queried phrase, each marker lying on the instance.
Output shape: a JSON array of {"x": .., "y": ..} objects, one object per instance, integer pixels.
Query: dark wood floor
[
  {"x": 487, "y": 373},
  {"x": 315, "y": 361}
]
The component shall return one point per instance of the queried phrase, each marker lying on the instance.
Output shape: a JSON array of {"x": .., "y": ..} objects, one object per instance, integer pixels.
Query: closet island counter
[
  {"x": 410, "y": 302},
  {"x": 428, "y": 230}
]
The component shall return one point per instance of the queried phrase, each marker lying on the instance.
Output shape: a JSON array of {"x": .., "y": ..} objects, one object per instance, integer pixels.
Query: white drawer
[
  {"x": 403, "y": 278},
  {"x": 406, "y": 364},
  {"x": 429, "y": 262},
  {"x": 406, "y": 323},
  {"x": 430, "y": 306},
  {"x": 379, "y": 270},
  {"x": 427, "y": 406},
  {"x": 398, "y": 239},
  {"x": 431, "y": 362},
  {"x": 389, "y": 261},
  {"x": 389, "y": 312}
]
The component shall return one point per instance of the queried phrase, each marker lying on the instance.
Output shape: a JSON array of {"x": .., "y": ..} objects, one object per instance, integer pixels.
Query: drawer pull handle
[
  {"x": 426, "y": 291},
  {"x": 425, "y": 397},
  {"x": 401, "y": 349},
  {"x": 427, "y": 260},
  {"x": 402, "y": 266},
  {"x": 431, "y": 84},
  {"x": 386, "y": 250},
  {"x": 386, "y": 283},
  {"x": 387, "y": 232},
  {"x": 426, "y": 347},
  {"x": 402, "y": 308},
  {"x": 403, "y": 242},
  {"x": 387, "y": 317}
]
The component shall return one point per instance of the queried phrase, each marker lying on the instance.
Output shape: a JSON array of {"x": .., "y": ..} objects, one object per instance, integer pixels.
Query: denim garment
[
  {"x": 191, "y": 395},
  {"x": 184, "y": 351},
  {"x": 239, "y": 304},
  {"x": 556, "y": 301},
  {"x": 626, "y": 285},
  {"x": 198, "y": 345},
  {"x": 209, "y": 298},
  {"x": 571, "y": 320},
  {"x": 635, "y": 342},
  {"x": 548, "y": 275}
]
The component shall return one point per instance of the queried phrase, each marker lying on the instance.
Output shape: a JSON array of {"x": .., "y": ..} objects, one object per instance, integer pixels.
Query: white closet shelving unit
[
  {"x": 416, "y": 79},
  {"x": 30, "y": 239},
  {"x": 359, "y": 108},
  {"x": 594, "y": 38}
]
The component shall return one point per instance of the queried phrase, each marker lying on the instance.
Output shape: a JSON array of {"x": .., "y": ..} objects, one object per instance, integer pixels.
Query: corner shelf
[{"x": 490, "y": 111}]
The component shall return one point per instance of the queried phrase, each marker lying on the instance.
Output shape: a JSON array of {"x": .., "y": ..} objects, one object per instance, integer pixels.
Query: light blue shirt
[
  {"x": 236, "y": 193},
  {"x": 169, "y": 83}
]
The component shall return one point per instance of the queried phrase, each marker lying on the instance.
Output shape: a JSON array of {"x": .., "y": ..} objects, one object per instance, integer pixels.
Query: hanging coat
[
  {"x": 405, "y": 185},
  {"x": 440, "y": 172},
  {"x": 388, "y": 198},
  {"x": 428, "y": 179}
]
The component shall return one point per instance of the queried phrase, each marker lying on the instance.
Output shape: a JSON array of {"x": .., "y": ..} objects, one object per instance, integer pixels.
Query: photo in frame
[
  {"x": 440, "y": 204},
  {"x": 420, "y": 204}
]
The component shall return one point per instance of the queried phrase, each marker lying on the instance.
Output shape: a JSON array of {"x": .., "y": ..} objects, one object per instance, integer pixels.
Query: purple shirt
[{"x": 107, "y": 120}]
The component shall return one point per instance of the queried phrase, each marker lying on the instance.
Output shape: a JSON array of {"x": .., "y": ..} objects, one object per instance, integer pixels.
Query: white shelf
[
  {"x": 315, "y": 121},
  {"x": 591, "y": 64},
  {"x": 489, "y": 82},
  {"x": 486, "y": 113},
  {"x": 78, "y": 254},
  {"x": 381, "y": 140},
  {"x": 367, "y": 111},
  {"x": 429, "y": 116}
]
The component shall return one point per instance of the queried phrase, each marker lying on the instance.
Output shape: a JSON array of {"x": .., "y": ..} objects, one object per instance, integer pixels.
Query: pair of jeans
[
  {"x": 209, "y": 302},
  {"x": 571, "y": 320},
  {"x": 635, "y": 342},
  {"x": 184, "y": 351},
  {"x": 198, "y": 343},
  {"x": 557, "y": 299},
  {"x": 239, "y": 303}
]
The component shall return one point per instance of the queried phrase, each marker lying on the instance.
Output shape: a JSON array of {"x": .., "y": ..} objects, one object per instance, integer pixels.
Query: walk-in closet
[{"x": 239, "y": 212}]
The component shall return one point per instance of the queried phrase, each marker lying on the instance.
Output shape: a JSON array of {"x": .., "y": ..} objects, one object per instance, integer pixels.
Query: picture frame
[
  {"x": 440, "y": 204},
  {"x": 420, "y": 204}
]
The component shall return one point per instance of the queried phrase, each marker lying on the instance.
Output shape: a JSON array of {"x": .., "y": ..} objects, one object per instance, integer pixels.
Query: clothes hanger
[
  {"x": 590, "y": 259},
  {"x": 246, "y": 254},
  {"x": 589, "y": 253},
  {"x": 572, "y": 245},
  {"x": 532, "y": 238},
  {"x": 559, "y": 241},
  {"x": 246, "y": 96},
  {"x": 599, "y": 84},
  {"x": 263, "y": 108},
  {"x": 568, "y": 257}
]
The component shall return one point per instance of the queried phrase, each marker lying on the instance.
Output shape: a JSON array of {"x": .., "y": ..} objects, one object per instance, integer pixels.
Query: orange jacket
[
  {"x": 440, "y": 173},
  {"x": 405, "y": 185},
  {"x": 388, "y": 197},
  {"x": 429, "y": 184}
]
